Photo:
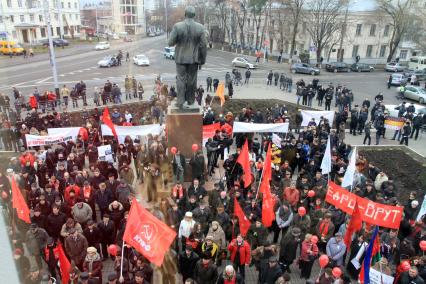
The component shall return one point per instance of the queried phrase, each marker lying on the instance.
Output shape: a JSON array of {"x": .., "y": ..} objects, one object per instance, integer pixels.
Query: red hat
[{"x": 18, "y": 251}]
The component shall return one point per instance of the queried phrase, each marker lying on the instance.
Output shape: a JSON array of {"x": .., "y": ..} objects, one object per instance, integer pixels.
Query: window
[
  {"x": 56, "y": 16},
  {"x": 403, "y": 54},
  {"x": 355, "y": 51},
  {"x": 40, "y": 18},
  {"x": 1, "y": 19},
  {"x": 12, "y": 18},
  {"x": 22, "y": 18},
  {"x": 43, "y": 32},
  {"x": 32, "y": 18},
  {"x": 382, "y": 51},
  {"x": 69, "y": 5},
  {"x": 358, "y": 29},
  {"x": 373, "y": 30},
  {"x": 20, "y": 3},
  {"x": 75, "y": 5},
  {"x": 62, "y": 5},
  {"x": 369, "y": 51},
  {"x": 9, "y": 3},
  {"x": 386, "y": 31}
]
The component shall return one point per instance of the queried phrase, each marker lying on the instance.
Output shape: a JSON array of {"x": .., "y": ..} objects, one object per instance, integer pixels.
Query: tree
[
  {"x": 322, "y": 19},
  {"x": 241, "y": 14},
  {"x": 257, "y": 10},
  {"x": 296, "y": 8},
  {"x": 401, "y": 13}
]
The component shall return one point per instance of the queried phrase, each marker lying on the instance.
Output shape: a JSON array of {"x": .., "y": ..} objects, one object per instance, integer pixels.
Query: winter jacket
[
  {"x": 55, "y": 223},
  {"x": 336, "y": 250},
  {"x": 36, "y": 240},
  {"x": 116, "y": 214},
  {"x": 257, "y": 236},
  {"x": 187, "y": 264},
  {"x": 406, "y": 279},
  {"x": 65, "y": 229},
  {"x": 304, "y": 255},
  {"x": 218, "y": 235},
  {"x": 269, "y": 275},
  {"x": 76, "y": 248},
  {"x": 107, "y": 232},
  {"x": 284, "y": 221},
  {"x": 292, "y": 195},
  {"x": 82, "y": 215},
  {"x": 243, "y": 249},
  {"x": 103, "y": 198},
  {"x": 205, "y": 275},
  {"x": 93, "y": 266}
]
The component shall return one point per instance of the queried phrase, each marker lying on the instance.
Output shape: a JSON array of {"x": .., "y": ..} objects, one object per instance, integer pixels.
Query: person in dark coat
[
  {"x": 257, "y": 234},
  {"x": 187, "y": 261},
  {"x": 358, "y": 248},
  {"x": 103, "y": 197},
  {"x": 205, "y": 271},
  {"x": 22, "y": 263},
  {"x": 410, "y": 277},
  {"x": 93, "y": 235},
  {"x": 108, "y": 232},
  {"x": 198, "y": 166},
  {"x": 55, "y": 221},
  {"x": 75, "y": 247},
  {"x": 289, "y": 244},
  {"x": 270, "y": 272}
]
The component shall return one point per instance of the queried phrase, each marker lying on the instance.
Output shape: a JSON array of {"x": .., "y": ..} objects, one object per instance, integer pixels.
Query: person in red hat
[{"x": 22, "y": 263}]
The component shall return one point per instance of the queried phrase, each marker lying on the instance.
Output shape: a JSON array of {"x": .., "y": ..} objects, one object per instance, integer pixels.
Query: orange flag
[
  {"x": 220, "y": 92},
  {"x": 267, "y": 171},
  {"x": 64, "y": 264},
  {"x": 147, "y": 234},
  {"x": 242, "y": 218},
  {"x": 244, "y": 161},
  {"x": 106, "y": 119},
  {"x": 355, "y": 224},
  {"x": 18, "y": 202}
]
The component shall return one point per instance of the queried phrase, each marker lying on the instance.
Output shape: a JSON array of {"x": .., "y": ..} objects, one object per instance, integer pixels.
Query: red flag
[
  {"x": 355, "y": 224},
  {"x": 244, "y": 161},
  {"x": 64, "y": 264},
  {"x": 18, "y": 202},
  {"x": 106, "y": 119},
  {"x": 147, "y": 234},
  {"x": 267, "y": 171},
  {"x": 242, "y": 219}
]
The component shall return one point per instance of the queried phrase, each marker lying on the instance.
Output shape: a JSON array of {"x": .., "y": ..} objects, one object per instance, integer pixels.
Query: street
[{"x": 81, "y": 64}]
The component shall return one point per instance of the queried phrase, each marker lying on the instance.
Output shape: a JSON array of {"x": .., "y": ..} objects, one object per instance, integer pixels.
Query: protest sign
[
  {"x": 105, "y": 153},
  {"x": 36, "y": 140}
]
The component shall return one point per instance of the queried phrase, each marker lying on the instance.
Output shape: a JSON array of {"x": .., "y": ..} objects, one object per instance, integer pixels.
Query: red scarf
[
  {"x": 177, "y": 194},
  {"x": 231, "y": 281},
  {"x": 323, "y": 229},
  {"x": 87, "y": 191}
]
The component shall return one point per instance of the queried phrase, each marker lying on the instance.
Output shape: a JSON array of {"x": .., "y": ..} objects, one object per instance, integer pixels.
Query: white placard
[
  {"x": 105, "y": 153},
  {"x": 245, "y": 127},
  {"x": 66, "y": 131},
  {"x": 309, "y": 114},
  {"x": 132, "y": 131},
  {"x": 379, "y": 278}
]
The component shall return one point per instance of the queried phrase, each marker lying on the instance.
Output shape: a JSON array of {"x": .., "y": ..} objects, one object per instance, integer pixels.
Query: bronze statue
[{"x": 190, "y": 53}]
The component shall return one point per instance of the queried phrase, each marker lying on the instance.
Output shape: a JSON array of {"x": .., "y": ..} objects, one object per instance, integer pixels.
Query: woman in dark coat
[
  {"x": 289, "y": 244},
  {"x": 358, "y": 247}
]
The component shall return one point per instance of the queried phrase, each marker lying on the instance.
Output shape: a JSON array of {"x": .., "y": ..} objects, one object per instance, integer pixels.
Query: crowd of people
[{"x": 82, "y": 203}]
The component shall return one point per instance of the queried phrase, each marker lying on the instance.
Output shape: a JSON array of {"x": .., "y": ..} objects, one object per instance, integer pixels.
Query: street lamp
[
  {"x": 165, "y": 11},
  {"x": 51, "y": 49}
]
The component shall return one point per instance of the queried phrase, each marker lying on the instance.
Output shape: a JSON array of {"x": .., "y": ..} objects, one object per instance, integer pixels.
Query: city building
[
  {"x": 128, "y": 16},
  {"x": 97, "y": 17},
  {"x": 24, "y": 21}
]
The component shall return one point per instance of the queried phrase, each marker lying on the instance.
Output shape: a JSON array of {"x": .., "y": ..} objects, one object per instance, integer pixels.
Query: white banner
[
  {"x": 244, "y": 127},
  {"x": 132, "y": 131},
  {"x": 66, "y": 131},
  {"x": 105, "y": 153},
  {"x": 422, "y": 210},
  {"x": 276, "y": 140},
  {"x": 36, "y": 140},
  {"x": 379, "y": 278},
  {"x": 309, "y": 114}
]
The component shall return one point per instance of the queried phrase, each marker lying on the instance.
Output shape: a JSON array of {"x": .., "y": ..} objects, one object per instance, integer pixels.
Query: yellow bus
[
  {"x": 417, "y": 62},
  {"x": 8, "y": 47}
]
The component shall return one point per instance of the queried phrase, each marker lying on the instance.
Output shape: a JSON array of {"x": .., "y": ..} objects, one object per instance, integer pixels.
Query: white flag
[
  {"x": 326, "y": 160},
  {"x": 225, "y": 154},
  {"x": 348, "y": 179}
]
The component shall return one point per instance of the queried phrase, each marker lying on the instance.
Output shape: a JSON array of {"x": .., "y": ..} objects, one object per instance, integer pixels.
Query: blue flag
[{"x": 367, "y": 258}]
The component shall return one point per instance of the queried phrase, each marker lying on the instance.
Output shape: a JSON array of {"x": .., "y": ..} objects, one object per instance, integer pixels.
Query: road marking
[
  {"x": 43, "y": 80},
  {"x": 71, "y": 73}
]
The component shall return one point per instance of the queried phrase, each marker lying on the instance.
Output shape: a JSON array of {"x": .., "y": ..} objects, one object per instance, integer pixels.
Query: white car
[
  {"x": 243, "y": 62},
  {"x": 108, "y": 61},
  {"x": 394, "y": 67},
  {"x": 102, "y": 45},
  {"x": 141, "y": 60}
]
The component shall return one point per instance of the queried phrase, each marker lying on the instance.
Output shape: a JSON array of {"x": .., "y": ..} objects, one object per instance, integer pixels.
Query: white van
[
  {"x": 417, "y": 62},
  {"x": 169, "y": 52}
]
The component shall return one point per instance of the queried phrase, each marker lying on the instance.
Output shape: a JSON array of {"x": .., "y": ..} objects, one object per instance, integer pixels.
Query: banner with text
[
  {"x": 132, "y": 131},
  {"x": 379, "y": 278},
  {"x": 105, "y": 153},
  {"x": 36, "y": 140},
  {"x": 244, "y": 127},
  {"x": 210, "y": 130},
  {"x": 316, "y": 114},
  {"x": 66, "y": 131},
  {"x": 371, "y": 212}
]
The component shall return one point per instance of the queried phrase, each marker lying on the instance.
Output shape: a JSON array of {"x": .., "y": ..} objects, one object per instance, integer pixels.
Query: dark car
[
  {"x": 337, "y": 67},
  {"x": 304, "y": 69},
  {"x": 361, "y": 67},
  {"x": 56, "y": 42}
]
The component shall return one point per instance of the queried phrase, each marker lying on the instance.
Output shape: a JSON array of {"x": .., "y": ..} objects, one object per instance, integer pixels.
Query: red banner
[
  {"x": 371, "y": 212},
  {"x": 210, "y": 130}
]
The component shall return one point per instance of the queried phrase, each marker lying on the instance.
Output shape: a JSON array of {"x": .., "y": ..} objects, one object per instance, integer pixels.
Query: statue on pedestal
[{"x": 189, "y": 37}]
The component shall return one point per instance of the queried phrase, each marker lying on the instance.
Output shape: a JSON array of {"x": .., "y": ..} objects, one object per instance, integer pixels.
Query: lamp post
[
  {"x": 51, "y": 49},
  {"x": 167, "y": 25}
]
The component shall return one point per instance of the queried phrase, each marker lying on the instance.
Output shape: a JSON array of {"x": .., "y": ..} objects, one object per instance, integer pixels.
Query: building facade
[
  {"x": 128, "y": 16},
  {"x": 97, "y": 17},
  {"x": 24, "y": 21}
]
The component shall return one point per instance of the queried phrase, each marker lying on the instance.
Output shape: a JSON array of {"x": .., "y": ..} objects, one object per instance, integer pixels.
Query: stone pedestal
[{"x": 185, "y": 128}]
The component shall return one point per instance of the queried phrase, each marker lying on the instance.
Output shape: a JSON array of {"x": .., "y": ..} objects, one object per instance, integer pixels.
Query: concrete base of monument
[{"x": 174, "y": 108}]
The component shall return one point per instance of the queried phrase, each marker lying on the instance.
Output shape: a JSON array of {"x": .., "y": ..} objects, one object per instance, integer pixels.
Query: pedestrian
[
  {"x": 140, "y": 90},
  {"x": 31, "y": 52},
  {"x": 336, "y": 250},
  {"x": 93, "y": 264},
  {"x": 282, "y": 80},
  {"x": 230, "y": 276},
  {"x": 76, "y": 248},
  {"x": 65, "y": 94},
  {"x": 406, "y": 132},
  {"x": 276, "y": 78},
  {"x": 247, "y": 76},
  {"x": 289, "y": 84},
  {"x": 379, "y": 125},
  {"x": 270, "y": 271},
  {"x": 240, "y": 253},
  {"x": 308, "y": 254},
  {"x": 417, "y": 124},
  {"x": 289, "y": 244},
  {"x": 269, "y": 78},
  {"x": 24, "y": 53},
  {"x": 367, "y": 130},
  {"x": 209, "y": 82},
  {"x": 215, "y": 84},
  {"x": 358, "y": 247},
  {"x": 205, "y": 271},
  {"x": 127, "y": 56},
  {"x": 389, "y": 81},
  {"x": 187, "y": 261},
  {"x": 96, "y": 96},
  {"x": 36, "y": 241}
]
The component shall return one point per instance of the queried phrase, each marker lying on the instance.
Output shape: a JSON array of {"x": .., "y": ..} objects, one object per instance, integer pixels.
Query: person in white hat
[{"x": 185, "y": 228}]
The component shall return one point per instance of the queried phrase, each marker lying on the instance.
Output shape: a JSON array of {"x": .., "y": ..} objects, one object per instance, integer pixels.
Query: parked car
[
  {"x": 243, "y": 62},
  {"x": 304, "y": 69},
  {"x": 393, "y": 111},
  {"x": 102, "y": 45},
  {"x": 108, "y": 61},
  {"x": 141, "y": 60},
  {"x": 415, "y": 93},
  {"x": 337, "y": 67},
  {"x": 151, "y": 34},
  {"x": 169, "y": 52},
  {"x": 398, "y": 79},
  {"x": 394, "y": 67},
  {"x": 361, "y": 67},
  {"x": 56, "y": 42},
  {"x": 420, "y": 74}
]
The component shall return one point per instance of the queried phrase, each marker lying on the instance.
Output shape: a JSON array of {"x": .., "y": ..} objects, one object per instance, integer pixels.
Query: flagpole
[{"x": 122, "y": 258}]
